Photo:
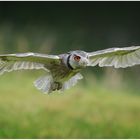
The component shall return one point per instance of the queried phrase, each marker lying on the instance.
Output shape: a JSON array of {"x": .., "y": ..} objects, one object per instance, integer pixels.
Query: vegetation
[{"x": 88, "y": 110}]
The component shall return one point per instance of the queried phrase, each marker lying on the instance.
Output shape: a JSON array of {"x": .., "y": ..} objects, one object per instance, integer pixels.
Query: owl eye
[{"x": 77, "y": 58}]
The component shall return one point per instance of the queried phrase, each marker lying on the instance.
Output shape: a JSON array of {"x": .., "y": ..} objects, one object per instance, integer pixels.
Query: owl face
[{"x": 78, "y": 59}]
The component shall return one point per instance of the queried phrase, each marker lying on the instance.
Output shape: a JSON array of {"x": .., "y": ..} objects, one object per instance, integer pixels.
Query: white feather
[
  {"x": 72, "y": 81},
  {"x": 117, "y": 57},
  {"x": 44, "y": 84}
]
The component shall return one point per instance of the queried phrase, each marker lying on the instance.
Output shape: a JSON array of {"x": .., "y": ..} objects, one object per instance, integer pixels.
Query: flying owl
[{"x": 63, "y": 70}]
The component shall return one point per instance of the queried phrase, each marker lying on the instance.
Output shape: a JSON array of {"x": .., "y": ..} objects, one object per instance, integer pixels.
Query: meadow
[{"x": 92, "y": 109}]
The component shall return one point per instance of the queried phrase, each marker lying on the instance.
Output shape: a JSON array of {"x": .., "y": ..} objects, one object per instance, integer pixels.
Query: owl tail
[
  {"x": 44, "y": 84},
  {"x": 71, "y": 82}
]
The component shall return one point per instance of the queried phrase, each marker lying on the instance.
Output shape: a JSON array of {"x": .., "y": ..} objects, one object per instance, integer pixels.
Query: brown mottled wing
[
  {"x": 117, "y": 57},
  {"x": 10, "y": 62}
]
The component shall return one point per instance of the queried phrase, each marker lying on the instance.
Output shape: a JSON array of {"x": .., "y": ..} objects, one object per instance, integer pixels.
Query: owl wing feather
[
  {"x": 72, "y": 81},
  {"x": 10, "y": 62},
  {"x": 117, "y": 57}
]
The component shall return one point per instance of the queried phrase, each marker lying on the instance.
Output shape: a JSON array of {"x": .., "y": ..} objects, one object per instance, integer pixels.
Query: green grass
[{"x": 88, "y": 110}]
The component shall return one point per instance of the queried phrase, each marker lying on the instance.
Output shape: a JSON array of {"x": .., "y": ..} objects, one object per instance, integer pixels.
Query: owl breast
[{"x": 61, "y": 73}]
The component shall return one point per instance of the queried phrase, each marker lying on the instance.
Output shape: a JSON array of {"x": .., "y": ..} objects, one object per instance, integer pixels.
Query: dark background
[{"x": 71, "y": 25}]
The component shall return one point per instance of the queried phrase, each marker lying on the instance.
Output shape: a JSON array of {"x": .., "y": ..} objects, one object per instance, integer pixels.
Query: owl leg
[{"x": 56, "y": 86}]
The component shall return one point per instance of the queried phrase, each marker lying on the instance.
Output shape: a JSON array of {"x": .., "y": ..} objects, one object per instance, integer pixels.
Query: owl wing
[
  {"x": 72, "y": 81},
  {"x": 10, "y": 62},
  {"x": 117, "y": 57}
]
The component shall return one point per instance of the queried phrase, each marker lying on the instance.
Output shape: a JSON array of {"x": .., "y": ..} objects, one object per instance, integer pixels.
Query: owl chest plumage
[{"x": 60, "y": 72}]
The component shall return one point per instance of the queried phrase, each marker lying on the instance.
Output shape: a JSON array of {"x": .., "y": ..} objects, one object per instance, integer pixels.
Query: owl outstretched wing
[
  {"x": 10, "y": 62},
  {"x": 117, "y": 57}
]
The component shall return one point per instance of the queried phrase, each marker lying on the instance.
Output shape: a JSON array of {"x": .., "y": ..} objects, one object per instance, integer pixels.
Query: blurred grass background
[
  {"x": 105, "y": 104},
  {"x": 92, "y": 109}
]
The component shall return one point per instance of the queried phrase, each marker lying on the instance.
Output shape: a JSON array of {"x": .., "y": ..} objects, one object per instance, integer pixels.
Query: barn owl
[{"x": 63, "y": 70}]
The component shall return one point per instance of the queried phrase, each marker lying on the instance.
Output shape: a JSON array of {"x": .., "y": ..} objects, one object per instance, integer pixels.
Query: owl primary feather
[{"x": 63, "y": 71}]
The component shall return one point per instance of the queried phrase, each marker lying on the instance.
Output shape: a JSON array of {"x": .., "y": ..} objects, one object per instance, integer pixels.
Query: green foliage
[{"x": 89, "y": 110}]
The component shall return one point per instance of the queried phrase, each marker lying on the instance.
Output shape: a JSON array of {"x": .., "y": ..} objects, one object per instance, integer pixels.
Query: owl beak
[{"x": 85, "y": 63}]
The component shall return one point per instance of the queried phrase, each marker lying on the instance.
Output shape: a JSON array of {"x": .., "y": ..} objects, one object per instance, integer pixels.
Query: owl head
[{"x": 78, "y": 59}]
